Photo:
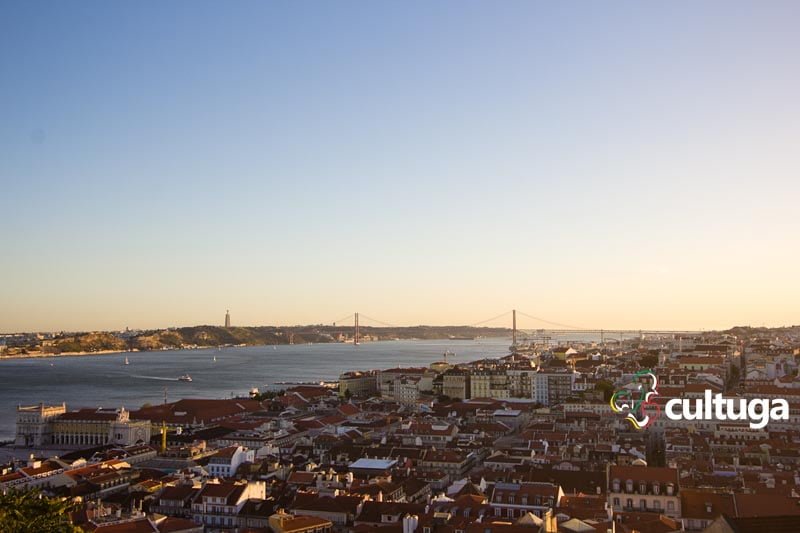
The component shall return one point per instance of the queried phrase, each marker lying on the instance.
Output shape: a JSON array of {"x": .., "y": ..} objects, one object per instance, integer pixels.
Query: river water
[{"x": 105, "y": 381}]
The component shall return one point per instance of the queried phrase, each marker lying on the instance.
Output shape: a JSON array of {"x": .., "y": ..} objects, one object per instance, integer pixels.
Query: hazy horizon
[
  {"x": 523, "y": 324},
  {"x": 614, "y": 165}
]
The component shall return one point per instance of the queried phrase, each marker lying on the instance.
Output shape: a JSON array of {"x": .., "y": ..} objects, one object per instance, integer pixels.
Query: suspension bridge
[{"x": 542, "y": 328}]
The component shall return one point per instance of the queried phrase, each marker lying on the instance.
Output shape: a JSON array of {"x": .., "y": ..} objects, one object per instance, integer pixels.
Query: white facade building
[{"x": 228, "y": 460}]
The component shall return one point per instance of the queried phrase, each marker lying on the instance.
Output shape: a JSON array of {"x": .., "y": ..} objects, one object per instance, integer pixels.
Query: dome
[{"x": 440, "y": 366}]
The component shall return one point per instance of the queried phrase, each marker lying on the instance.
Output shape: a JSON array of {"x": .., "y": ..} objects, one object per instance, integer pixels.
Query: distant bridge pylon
[{"x": 547, "y": 327}]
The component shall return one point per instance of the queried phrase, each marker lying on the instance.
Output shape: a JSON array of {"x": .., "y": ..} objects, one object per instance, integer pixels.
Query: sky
[{"x": 598, "y": 164}]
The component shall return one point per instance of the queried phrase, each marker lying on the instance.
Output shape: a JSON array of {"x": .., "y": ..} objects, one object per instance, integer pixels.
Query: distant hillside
[
  {"x": 197, "y": 336},
  {"x": 219, "y": 336},
  {"x": 260, "y": 335},
  {"x": 87, "y": 342},
  {"x": 759, "y": 331}
]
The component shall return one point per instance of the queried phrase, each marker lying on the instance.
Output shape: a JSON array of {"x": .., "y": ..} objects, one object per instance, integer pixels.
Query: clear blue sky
[{"x": 605, "y": 164}]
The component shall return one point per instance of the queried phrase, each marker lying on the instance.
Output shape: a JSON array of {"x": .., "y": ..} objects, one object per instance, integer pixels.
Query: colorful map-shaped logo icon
[{"x": 636, "y": 403}]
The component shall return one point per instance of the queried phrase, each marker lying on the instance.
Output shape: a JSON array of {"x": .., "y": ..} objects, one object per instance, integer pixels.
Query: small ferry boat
[
  {"x": 127, "y": 362},
  {"x": 185, "y": 377}
]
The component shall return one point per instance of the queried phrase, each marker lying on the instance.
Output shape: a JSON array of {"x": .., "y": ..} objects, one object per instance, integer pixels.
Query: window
[
  {"x": 629, "y": 503},
  {"x": 656, "y": 488},
  {"x": 670, "y": 489},
  {"x": 629, "y": 486},
  {"x": 510, "y": 498},
  {"x": 616, "y": 502},
  {"x": 670, "y": 506},
  {"x": 642, "y": 487},
  {"x": 643, "y": 504},
  {"x": 657, "y": 505},
  {"x": 616, "y": 485}
]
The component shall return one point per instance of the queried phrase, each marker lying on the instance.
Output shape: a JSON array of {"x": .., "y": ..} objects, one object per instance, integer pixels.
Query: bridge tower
[
  {"x": 514, "y": 329},
  {"x": 355, "y": 332}
]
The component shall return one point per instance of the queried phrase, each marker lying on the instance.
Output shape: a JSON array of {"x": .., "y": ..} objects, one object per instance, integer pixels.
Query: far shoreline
[
  {"x": 83, "y": 354},
  {"x": 211, "y": 347},
  {"x": 111, "y": 352},
  {"x": 118, "y": 352}
]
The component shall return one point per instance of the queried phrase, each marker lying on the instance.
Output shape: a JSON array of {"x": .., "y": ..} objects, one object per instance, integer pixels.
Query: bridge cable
[
  {"x": 351, "y": 315},
  {"x": 565, "y": 326},
  {"x": 489, "y": 319},
  {"x": 362, "y": 315}
]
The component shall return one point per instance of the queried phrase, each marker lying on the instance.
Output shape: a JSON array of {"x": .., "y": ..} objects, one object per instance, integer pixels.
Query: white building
[
  {"x": 218, "y": 505},
  {"x": 552, "y": 386},
  {"x": 54, "y": 426},
  {"x": 227, "y": 461},
  {"x": 406, "y": 390},
  {"x": 33, "y": 428},
  {"x": 644, "y": 489}
]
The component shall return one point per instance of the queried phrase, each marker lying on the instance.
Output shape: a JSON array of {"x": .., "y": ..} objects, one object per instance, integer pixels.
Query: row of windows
[
  {"x": 213, "y": 520},
  {"x": 514, "y": 513},
  {"x": 643, "y": 504},
  {"x": 537, "y": 500},
  {"x": 642, "y": 487}
]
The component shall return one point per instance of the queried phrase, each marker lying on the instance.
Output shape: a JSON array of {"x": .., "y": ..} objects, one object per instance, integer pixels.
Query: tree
[
  {"x": 733, "y": 379},
  {"x": 32, "y": 512},
  {"x": 269, "y": 395},
  {"x": 607, "y": 388},
  {"x": 648, "y": 361}
]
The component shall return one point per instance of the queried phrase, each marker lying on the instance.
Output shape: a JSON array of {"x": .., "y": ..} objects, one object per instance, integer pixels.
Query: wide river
[{"x": 104, "y": 380}]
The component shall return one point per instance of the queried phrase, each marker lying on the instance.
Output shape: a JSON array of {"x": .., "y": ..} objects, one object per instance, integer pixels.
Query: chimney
[
  {"x": 410, "y": 523},
  {"x": 550, "y": 522}
]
